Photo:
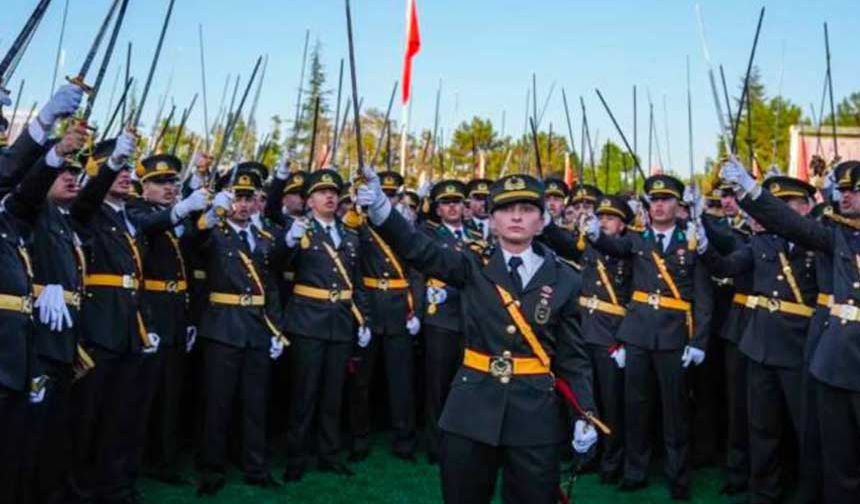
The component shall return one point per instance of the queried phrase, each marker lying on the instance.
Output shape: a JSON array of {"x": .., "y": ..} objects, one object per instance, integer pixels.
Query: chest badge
[{"x": 542, "y": 308}]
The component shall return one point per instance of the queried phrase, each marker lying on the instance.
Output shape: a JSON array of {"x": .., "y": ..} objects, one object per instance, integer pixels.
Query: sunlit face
[
  {"x": 611, "y": 224},
  {"x": 664, "y": 210},
  {"x": 160, "y": 191},
  {"x": 799, "y": 205},
  {"x": 121, "y": 186},
  {"x": 478, "y": 206},
  {"x": 323, "y": 203},
  {"x": 581, "y": 208},
  {"x": 554, "y": 205},
  {"x": 450, "y": 211},
  {"x": 516, "y": 223},
  {"x": 849, "y": 205},
  {"x": 64, "y": 189},
  {"x": 243, "y": 207},
  {"x": 729, "y": 204}
]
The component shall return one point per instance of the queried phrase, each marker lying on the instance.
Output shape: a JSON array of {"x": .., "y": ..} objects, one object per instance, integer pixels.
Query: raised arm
[
  {"x": 561, "y": 241},
  {"x": 730, "y": 265},
  {"x": 777, "y": 217}
]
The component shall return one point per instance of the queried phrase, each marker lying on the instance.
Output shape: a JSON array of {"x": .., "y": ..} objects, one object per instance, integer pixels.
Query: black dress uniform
[
  {"x": 114, "y": 331},
  {"x": 392, "y": 304},
  {"x": 166, "y": 295},
  {"x": 237, "y": 327},
  {"x": 442, "y": 323},
  {"x": 503, "y": 411},
  {"x": 326, "y": 307},
  {"x": 670, "y": 309},
  {"x": 784, "y": 293},
  {"x": 603, "y": 298},
  {"x": 834, "y": 360},
  {"x": 18, "y": 158},
  {"x": 479, "y": 228}
]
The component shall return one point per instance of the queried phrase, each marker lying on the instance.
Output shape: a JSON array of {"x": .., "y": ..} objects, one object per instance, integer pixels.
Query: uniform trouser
[
  {"x": 771, "y": 390},
  {"x": 609, "y": 385},
  {"x": 318, "y": 376},
  {"x": 641, "y": 368},
  {"x": 398, "y": 357},
  {"x": 708, "y": 416},
  {"x": 49, "y": 446},
  {"x": 164, "y": 428},
  {"x": 146, "y": 385},
  {"x": 104, "y": 417},
  {"x": 13, "y": 407},
  {"x": 232, "y": 373},
  {"x": 839, "y": 416},
  {"x": 469, "y": 468},
  {"x": 737, "y": 449},
  {"x": 443, "y": 354},
  {"x": 810, "y": 467}
]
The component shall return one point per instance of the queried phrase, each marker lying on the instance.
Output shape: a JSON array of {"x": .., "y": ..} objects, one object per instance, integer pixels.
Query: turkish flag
[{"x": 413, "y": 45}]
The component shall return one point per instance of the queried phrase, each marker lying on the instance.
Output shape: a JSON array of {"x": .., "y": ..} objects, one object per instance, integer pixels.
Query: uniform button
[
  {"x": 385, "y": 275},
  {"x": 465, "y": 379},
  {"x": 387, "y": 260},
  {"x": 598, "y": 283},
  {"x": 334, "y": 269},
  {"x": 506, "y": 354},
  {"x": 659, "y": 276},
  {"x": 775, "y": 294},
  {"x": 780, "y": 278},
  {"x": 511, "y": 329},
  {"x": 851, "y": 301},
  {"x": 856, "y": 285}
]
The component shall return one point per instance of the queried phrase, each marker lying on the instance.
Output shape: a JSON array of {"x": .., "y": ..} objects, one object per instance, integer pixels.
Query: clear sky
[{"x": 483, "y": 50}]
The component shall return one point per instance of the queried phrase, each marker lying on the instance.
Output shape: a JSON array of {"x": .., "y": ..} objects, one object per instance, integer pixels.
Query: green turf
[{"x": 385, "y": 479}]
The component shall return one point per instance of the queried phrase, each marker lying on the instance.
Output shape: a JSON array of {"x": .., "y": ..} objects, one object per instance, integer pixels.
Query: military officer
[
  {"x": 326, "y": 313},
  {"x": 240, "y": 329},
  {"x": 556, "y": 197},
  {"x": 666, "y": 328},
  {"x": 393, "y": 323},
  {"x": 477, "y": 191},
  {"x": 584, "y": 197},
  {"x": 520, "y": 331}
]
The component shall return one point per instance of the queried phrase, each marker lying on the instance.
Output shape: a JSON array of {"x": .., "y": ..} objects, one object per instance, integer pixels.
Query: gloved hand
[
  {"x": 692, "y": 354},
  {"x": 283, "y": 169},
  {"x": 364, "y": 336},
  {"x": 406, "y": 211},
  {"x": 591, "y": 226},
  {"x": 223, "y": 200},
  {"x": 126, "y": 145},
  {"x": 619, "y": 355},
  {"x": 370, "y": 195},
  {"x": 733, "y": 173},
  {"x": 276, "y": 348},
  {"x": 413, "y": 325},
  {"x": 584, "y": 436},
  {"x": 190, "y": 338},
  {"x": 73, "y": 140},
  {"x": 5, "y": 99},
  {"x": 64, "y": 103},
  {"x": 155, "y": 341},
  {"x": 38, "y": 388},
  {"x": 296, "y": 231},
  {"x": 424, "y": 190},
  {"x": 701, "y": 235},
  {"x": 198, "y": 200},
  {"x": 436, "y": 295},
  {"x": 53, "y": 311}
]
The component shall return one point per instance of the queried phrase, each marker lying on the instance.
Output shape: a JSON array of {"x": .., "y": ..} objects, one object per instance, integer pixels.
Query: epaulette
[
  {"x": 350, "y": 230},
  {"x": 840, "y": 219},
  {"x": 265, "y": 234},
  {"x": 482, "y": 249},
  {"x": 568, "y": 262},
  {"x": 636, "y": 228}
]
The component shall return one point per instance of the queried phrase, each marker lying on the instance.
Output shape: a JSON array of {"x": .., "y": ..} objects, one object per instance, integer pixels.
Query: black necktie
[
  {"x": 661, "y": 243},
  {"x": 328, "y": 232},
  {"x": 458, "y": 234},
  {"x": 246, "y": 243},
  {"x": 481, "y": 228},
  {"x": 514, "y": 263}
]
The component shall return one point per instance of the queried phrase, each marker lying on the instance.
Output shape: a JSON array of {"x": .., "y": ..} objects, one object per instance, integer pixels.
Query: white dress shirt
[
  {"x": 335, "y": 235},
  {"x": 531, "y": 263},
  {"x": 667, "y": 237},
  {"x": 121, "y": 207},
  {"x": 252, "y": 242}
]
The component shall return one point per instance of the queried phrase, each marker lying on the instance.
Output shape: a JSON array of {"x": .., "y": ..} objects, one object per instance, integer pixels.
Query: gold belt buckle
[
  {"x": 334, "y": 295},
  {"x": 171, "y": 286},
  {"x": 383, "y": 284},
  {"x": 76, "y": 299},
  {"x": 592, "y": 303},
  {"x": 773, "y": 305},
  {"x": 27, "y": 304},
  {"x": 752, "y": 302},
  {"x": 849, "y": 312},
  {"x": 502, "y": 367},
  {"x": 245, "y": 299},
  {"x": 654, "y": 301},
  {"x": 127, "y": 282}
]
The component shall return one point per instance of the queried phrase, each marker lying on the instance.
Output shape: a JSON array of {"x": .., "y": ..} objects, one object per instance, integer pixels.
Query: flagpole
[{"x": 404, "y": 130}]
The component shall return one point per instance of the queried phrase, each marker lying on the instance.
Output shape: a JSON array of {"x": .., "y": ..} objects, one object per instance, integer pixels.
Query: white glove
[
  {"x": 198, "y": 200},
  {"x": 38, "y": 389},
  {"x": 733, "y": 173},
  {"x": 223, "y": 200},
  {"x": 413, "y": 325},
  {"x": 692, "y": 354},
  {"x": 619, "y": 355},
  {"x": 283, "y": 169},
  {"x": 436, "y": 296},
  {"x": 190, "y": 338},
  {"x": 276, "y": 349},
  {"x": 126, "y": 144},
  {"x": 406, "y": 211},
  {"x": 424, "y": 190},
  {"x": 5, "y": 99},
  {"x": 53, "y": 311},
  {"x": 196, "y": 182},
  {"x": 370, "y": 195},
  {"x": 296, "y": 231},
  {"x": 363, "y": 336},
  {"x": 701, "y": 235},
  {"x": 155, "y": 341},
  {"x": 591, "y": 227},
  {"x": 64, "y": 103},
  {"x": 584, "y": 436}
]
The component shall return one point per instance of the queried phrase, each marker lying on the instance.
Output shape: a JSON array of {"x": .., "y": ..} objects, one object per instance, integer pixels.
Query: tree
[{"x": 301, "y": 139}]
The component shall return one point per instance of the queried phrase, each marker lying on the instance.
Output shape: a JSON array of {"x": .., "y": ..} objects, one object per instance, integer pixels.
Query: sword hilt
[{"x": 78, "y": 80}]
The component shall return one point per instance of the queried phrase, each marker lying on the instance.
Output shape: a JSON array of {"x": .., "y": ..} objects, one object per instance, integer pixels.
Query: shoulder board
[
  {"x": 636, "y": 229},
  {"x": 350, "y": 230},
  {"x": 568, "y": 262},
  {"x": 841, "y": 219},
  {"x": 431, "y": 225},
  {"x": 266, "y": 234}
]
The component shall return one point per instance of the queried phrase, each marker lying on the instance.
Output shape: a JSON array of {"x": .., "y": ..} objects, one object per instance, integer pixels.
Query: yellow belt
[
  {"x": 825, "y": 300},
  {"x": 198, "y": 274},
  {"x": 236, "y": 299},
  {"x": 657, "y": 301},
  {"x": 165, "y": 285},
  {"x": 69, "y": 297},
  {"x": 504, "y": 366},
  {"x": 20, "y": 304},
  {"x": 107, "y": 280},
  {"x": 333, "y": 295},
  {"x": 741, "y": 299},
  {"x": 594, "y": 304},
  {"x": 779, "y": 305},
  {"x": 847, "y": 313},
  {"x": 385, "y": 284}
]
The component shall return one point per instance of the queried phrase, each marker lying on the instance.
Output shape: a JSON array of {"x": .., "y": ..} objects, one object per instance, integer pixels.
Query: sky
[{"x": 483, "y": 51}]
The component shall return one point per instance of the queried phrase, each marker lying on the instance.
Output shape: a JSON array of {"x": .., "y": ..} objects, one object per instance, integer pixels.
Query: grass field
[{"x": 385, "y": 479}]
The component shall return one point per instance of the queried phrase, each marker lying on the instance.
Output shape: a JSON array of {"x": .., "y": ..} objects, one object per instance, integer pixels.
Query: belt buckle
[
  {"x": 245, "y": 300},
  {"x": 171, "y": 286},
  {"x": 654, "y": 301},
  {"x": 592, "y": 303},
  {"x": 849, "y": 312},
  {"x": 127, "y": 282},
  {"x": 752, "y": 302},
  {"x": 773, "y": 305},
  {"x": 76, "y": 300},
  {"x": 334, "y": 295},
  {"x": 27, "y": 304},
  {"x": 383, "y": 284},
  {"x": 502, "y": 367}
]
